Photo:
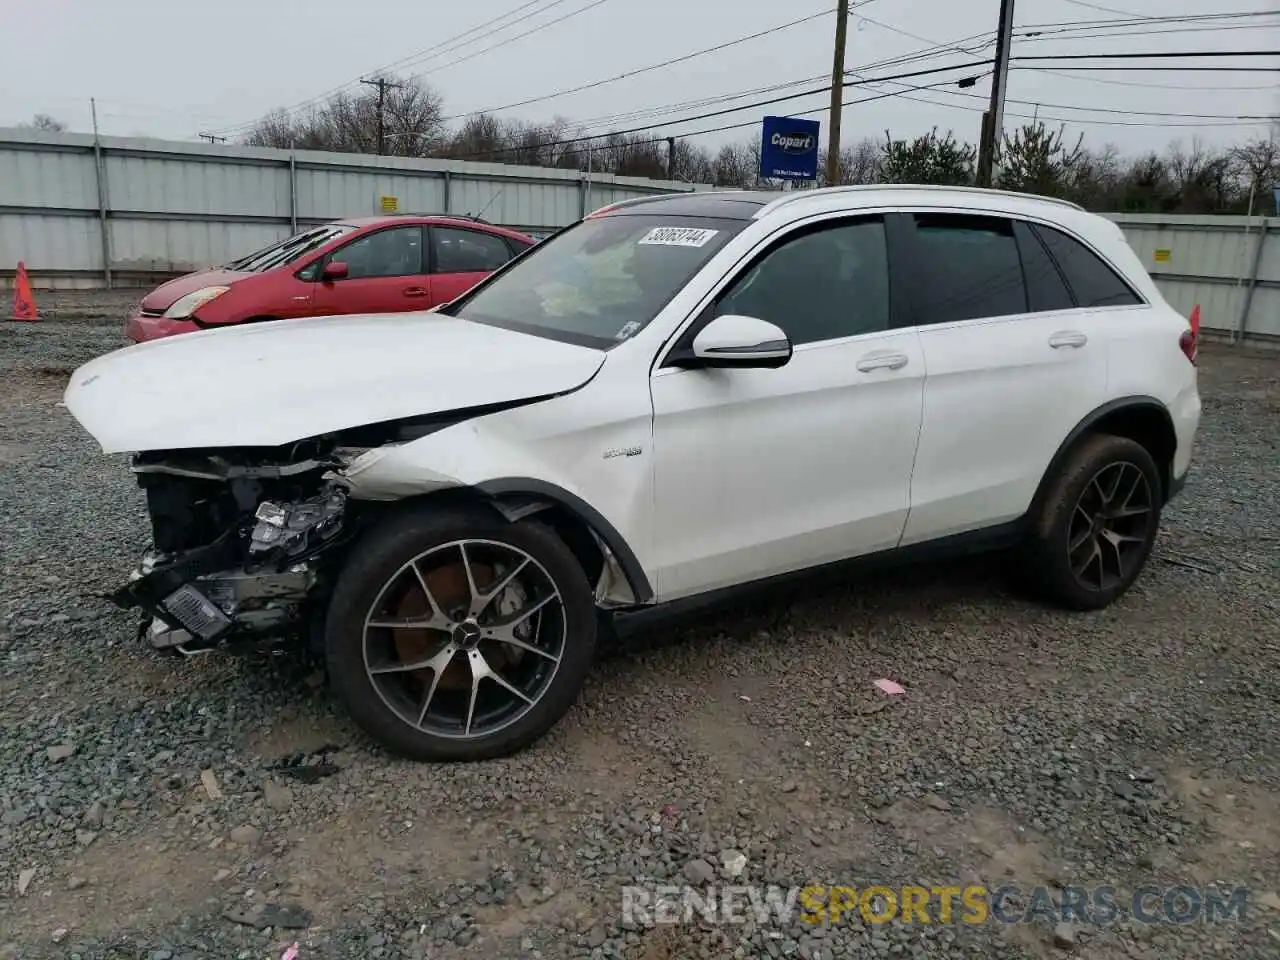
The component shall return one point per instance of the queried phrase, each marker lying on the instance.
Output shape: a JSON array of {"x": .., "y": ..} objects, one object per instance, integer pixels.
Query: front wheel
[
  {"x": 1098, "y": 523},
  {"x": 454, "y": 635}
]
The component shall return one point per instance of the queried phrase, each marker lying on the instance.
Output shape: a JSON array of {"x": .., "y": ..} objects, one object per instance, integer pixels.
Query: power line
[
  {"x": 720, "y": 113},
  {"x": 1037, "y": 32},
  {"x": 1094, "y": 6},
  {"x": 651, "y": 67},
  {"x": 1138, "y": 83},
  {"x": 450, "y": 42},
  {"x": 1079, "y": 121},
  {"x": 934, "y": 50},
  {"x": 518, "y": 36},
  {"x": 447, "y": 46},
  {"x": 915, "y": 73}
]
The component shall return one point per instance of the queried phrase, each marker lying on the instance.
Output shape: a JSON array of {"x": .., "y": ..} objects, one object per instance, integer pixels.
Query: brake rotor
[{"x": 448, "y": 584}]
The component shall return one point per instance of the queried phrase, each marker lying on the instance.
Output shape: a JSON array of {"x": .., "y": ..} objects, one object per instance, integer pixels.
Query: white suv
[{"x": 673, "y": 397}]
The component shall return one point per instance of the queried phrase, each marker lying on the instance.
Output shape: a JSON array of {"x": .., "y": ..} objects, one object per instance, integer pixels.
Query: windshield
[
  {"x": 601, "y": 281},
  {"x": 290, "y": 249}
]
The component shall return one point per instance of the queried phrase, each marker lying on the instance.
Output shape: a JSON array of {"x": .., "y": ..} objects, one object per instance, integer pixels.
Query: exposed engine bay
[
  {"x": 240, "y": 540},
  {"x": 246, "y": 543}
]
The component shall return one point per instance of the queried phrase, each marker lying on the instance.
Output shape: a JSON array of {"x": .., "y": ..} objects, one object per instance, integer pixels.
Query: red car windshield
[{"x": 290, "y": 249}]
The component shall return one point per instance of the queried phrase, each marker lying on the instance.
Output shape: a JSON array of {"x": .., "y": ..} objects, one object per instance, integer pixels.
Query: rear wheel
[
  {"x": 454, "y": 635},
  {"x": 1097, "y": 525}
]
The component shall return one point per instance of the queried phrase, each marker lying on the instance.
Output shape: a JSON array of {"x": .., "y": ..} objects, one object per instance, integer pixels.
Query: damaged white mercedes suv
[{"x": 673, "y": 398}]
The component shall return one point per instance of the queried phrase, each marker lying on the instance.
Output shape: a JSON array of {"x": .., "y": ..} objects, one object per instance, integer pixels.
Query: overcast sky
[{"x": 172, "y": 69}]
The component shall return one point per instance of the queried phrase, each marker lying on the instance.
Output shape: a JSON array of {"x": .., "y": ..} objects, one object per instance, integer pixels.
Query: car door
[
  {"x": 461, "y": 258},
  {"x": 760, "y": 472},
  {"x": 1012, "y": 366},
  {"x": 386, "y": 273}
]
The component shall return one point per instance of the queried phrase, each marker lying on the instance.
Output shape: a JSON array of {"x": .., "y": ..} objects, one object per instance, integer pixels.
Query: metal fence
[
  {"x": 86, "y": 212},
  {"x": 1230, "y": 266}
]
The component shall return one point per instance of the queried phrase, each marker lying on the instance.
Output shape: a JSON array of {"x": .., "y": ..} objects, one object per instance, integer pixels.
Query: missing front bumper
[{"x": 253, "y": 580}]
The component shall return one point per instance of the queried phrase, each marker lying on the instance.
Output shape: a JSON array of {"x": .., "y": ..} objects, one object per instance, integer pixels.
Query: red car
[{"x": 372, "y": 265}]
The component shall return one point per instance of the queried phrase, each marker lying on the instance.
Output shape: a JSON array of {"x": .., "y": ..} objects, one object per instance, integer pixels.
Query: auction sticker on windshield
[{"x": 678, "y": 236}]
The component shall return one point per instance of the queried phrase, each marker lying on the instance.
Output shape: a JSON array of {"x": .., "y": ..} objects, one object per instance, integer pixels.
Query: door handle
[
  {"x": 415, "y": 291},
  {"x": 882, "y": 360},
  {"x": 1068, "y": 338}
]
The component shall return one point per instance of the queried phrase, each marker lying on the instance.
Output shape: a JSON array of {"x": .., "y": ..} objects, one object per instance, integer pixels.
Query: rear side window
[
  {"x": 969, "y": 267},
  {"x": 468, "y": 251},
  {"x": 1093, "y": 282}
]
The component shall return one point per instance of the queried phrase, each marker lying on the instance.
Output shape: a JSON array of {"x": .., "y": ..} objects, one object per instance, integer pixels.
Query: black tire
[
  {"x": 1046, "y": 559},
  {"x": 374, "y": 560}
]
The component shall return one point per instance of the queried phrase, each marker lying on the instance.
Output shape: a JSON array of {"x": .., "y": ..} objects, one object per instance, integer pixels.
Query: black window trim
[
  {"x": 1027, "y": 219},
  {"x": 431, "y": 229},
  {"x": 324, "y": 260},
  {"x": 676, "y": 347}
]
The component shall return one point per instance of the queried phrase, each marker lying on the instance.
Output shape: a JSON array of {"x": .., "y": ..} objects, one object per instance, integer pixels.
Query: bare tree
[
  {"x": 348, "y": 123},
  {"x": 1201, "y": 178},
  {"x": 733, "y": 166},
  {"x": 1257, "y": 163},
  {"x": 43, "y": 123}
]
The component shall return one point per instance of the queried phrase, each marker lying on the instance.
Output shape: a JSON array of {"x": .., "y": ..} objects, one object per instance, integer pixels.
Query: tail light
[{"x": 1190, "y": 339}]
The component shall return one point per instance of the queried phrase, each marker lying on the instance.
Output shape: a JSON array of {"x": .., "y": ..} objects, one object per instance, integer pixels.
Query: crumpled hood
[{"x": 268, "y": 384}]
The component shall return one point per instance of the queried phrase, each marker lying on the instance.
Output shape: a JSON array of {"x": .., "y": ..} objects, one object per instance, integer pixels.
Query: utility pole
[
  {"x": 211, "y": 138},
  {"x": 837, "y": 95},
  {"x": 993, "y": 119},
  {"x": 382, "y": 83}
]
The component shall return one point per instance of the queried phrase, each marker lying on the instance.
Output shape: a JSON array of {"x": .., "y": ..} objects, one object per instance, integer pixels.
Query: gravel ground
[{"x": 155, "y": 807}]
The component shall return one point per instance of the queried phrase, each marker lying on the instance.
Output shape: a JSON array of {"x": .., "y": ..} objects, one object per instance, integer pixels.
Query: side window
[
  {"x": 1046, "y": 289},
  {"x": 468, "y": 251},
  {"x": 1093, "y": 282},
  {"x": 517, "y": 247},
  {"x": 396, "y": 252},
  {"x": 823, "y": 284},
  {"x": 968, "y": 268}
]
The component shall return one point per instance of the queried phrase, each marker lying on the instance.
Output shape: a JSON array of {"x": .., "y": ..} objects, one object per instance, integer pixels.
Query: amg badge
[{"x": 623, "y": 452}]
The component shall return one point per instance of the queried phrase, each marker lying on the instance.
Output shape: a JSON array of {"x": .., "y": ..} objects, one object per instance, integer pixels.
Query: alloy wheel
[
  {"x": 1110, "y": 526},
  {"x": 465, "y": 638}
]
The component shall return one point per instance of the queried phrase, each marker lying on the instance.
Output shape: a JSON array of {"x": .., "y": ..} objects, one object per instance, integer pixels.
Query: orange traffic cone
[{"x": 24, "y": 302}]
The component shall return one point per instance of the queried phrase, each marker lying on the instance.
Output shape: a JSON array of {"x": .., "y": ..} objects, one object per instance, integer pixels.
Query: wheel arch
[
  {"x": 1143, "y": 419},
  {"x": 576, "y": 520}
]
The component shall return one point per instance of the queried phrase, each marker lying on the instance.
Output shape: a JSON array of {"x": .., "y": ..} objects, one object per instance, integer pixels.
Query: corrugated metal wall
[
  {"x": 1230, "y": 266},
  {"x": 75, "y": 211},
  {"x": 136, "y": 210}
]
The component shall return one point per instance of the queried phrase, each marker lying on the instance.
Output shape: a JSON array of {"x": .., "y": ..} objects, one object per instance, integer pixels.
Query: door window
[
  {"x": 1046, "y": 289},
  {"x": 1093, "y": 282},
  {"x": 969, "y": 267},
  {"x": 825, "y": 283},
  {"x": 396, "y": 252},
  {"x": 468, "y": 251}
]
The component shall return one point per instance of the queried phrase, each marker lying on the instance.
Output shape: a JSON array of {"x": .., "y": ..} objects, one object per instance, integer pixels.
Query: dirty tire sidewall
[
  {"x": 386, "y": 548},
  {"x": 1047, "y": 569}
]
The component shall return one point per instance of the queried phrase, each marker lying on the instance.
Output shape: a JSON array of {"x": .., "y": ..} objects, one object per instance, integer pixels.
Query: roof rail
[
  {"x": 796, "y": 196},
  {"x": 448, "y": 216}
]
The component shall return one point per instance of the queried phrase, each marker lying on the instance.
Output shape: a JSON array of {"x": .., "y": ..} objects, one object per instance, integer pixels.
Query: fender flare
[
  {"x": 587, "y": 514},
  {"x": 1091, "y": 419}
]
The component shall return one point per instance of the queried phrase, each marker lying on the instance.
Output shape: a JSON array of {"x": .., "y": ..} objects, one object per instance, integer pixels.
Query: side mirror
[
  {"x": 733, "y": 340},
  {"x": 334, "y": 270}
]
